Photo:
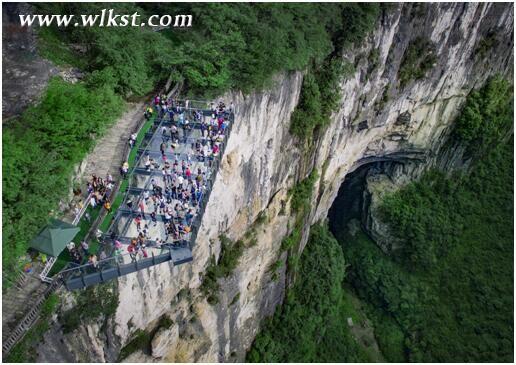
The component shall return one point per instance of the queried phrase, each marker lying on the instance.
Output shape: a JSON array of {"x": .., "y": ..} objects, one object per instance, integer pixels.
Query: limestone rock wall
[{"x": 377, "y": 119}]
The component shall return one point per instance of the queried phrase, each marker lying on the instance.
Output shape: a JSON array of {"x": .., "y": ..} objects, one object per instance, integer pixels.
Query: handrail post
[{"x": 82, "y": 278}]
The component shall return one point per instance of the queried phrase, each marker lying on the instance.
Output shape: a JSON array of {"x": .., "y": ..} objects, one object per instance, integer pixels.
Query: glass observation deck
[{"x": 163, "y": 150}]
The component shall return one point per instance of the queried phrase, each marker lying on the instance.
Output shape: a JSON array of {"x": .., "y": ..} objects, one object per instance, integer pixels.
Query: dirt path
[{"x": 106, "y": 157}]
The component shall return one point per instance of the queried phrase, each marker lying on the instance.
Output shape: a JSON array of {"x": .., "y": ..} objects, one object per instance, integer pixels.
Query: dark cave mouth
[{"x": 351, "y": 203}]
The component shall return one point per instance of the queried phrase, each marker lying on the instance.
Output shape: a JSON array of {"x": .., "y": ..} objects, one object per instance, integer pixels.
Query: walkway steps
[
  {"x": 176, "y": 256},
  {"x": 13, "y": 337}
]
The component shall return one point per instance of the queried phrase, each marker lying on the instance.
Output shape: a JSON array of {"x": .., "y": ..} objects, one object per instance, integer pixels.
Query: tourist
[
  {"x": 138, "y": 221},
  {"x": 153, "y": 218},
  {"x": 142, "y": 208},
  {"x": 93, "y": 202},
  {"x": 107, "y": 206},
  {"x": 124, "y": 169},
  {"x": 85, "y": 248}
]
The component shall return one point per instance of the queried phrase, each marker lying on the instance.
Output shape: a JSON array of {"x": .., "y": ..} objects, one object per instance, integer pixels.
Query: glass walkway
[{"x": 159, "y": 218}]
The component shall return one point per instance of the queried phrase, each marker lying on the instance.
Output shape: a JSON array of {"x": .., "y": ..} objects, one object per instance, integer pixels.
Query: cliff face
[{"x": 377, "y": 120}]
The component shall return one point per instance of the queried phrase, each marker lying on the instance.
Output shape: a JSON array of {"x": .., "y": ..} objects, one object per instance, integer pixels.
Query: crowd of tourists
[
  {"x": 177, "y": 191},
  {"x": 100, "y": 190},
  {"x": 176, "y": 185}
]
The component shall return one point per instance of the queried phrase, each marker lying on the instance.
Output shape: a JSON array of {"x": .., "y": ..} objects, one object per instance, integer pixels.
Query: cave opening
[{"x": 352, "y": 201}]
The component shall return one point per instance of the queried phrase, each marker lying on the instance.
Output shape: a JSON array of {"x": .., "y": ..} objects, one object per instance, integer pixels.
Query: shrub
[
  {"x": 486, "y": 117},
  {"x": 228, "y": 260},
  {"x": 320, "y": 94},
  {"x": 262, "y": 217},
  {"x": 94, "y": 302},
  {"x": 141, "y": 341},
  {"x": 235, "y": 299},
  {"x": 165, "y": 322},
  {"x": 49, "y": 305},
  {"x": 486, "y": 44},
  {"x": 229, "y": 255},
  {"x": 302, "y": 193},
  {"x": 418, "y": 59}
]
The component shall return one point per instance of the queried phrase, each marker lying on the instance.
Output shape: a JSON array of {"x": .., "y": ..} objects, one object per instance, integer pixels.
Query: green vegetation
[
  {"x": 486, "y": 44},
  {"x": 487, "y": 117},
  {"x": 301, "y": 196},
  {"x": 447, "y": 294},
  {"x": 292, "y": 239},
  {"x": 320, "y": 95},
  {"x": 129, "y": 60},
  {"x": 261, "y": 39},
  {"x": 229, "y": 46},
  {"x": 94, "y": 302},
  {"x": 235, "y": 299},
  {"x": 165, "y": 322},
  {"x": 418, "y": 59},
  {"x": 250, "y": 238},
  {"x": 311, "y": 325},
  {"x": 302, "y": 193},
  {"x": 49, "y": 305},
  {"x": 385, "y": 98},
  {"x": 24, "y": 351},
  {"x": 40, "y": 150},
  {"x": 373, "y": 59},
  {"x": 52, "y": 48},
  {"x": 262, "y": 217},
  {"x": 230, "y": 253},
  {"x": 275, "y": 267},
  {"x": 141, "y": 341}
]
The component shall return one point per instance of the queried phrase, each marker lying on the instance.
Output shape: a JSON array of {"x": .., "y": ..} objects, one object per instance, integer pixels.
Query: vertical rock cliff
[{"x": 388, "y": 112}]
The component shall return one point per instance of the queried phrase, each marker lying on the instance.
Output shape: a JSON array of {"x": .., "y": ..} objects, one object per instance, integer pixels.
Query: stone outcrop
[
  {"x": 25, "y": 74},
  {"x": 377, "y": 120}
]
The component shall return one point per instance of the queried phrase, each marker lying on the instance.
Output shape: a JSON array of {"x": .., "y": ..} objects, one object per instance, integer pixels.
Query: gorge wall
[{"x": 377, "y": 120}]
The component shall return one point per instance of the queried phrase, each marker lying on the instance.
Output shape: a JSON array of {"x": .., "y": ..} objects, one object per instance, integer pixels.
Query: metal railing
[{"x": 85, "y": 205}]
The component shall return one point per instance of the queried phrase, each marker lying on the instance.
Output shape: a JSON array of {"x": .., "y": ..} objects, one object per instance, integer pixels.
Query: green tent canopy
[{"x": 52, "y": 239}]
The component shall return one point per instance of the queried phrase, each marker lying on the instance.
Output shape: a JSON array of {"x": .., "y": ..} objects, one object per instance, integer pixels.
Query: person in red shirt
[
  {"x": 138, "y": 221},
  {"x": 142, "y": 208}
]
